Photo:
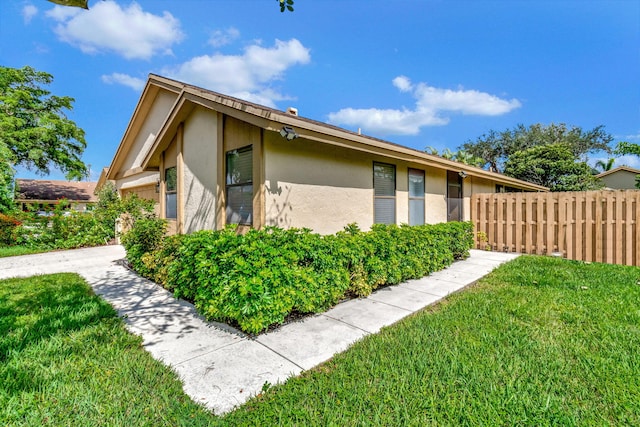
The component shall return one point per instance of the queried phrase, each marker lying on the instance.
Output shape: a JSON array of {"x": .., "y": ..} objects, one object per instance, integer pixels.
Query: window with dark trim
[
  {"x": 384, "y": 186},
  {"x": 239, "y": 186},
  {"x": 416, "y": 197},
  {"x": 171, "y": 193},
  {"x": 454, "y": 196}
]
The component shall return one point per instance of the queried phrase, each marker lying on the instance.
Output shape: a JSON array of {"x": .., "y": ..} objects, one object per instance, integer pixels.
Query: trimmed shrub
[
  {"x": 8, "y": 227},
  {"x": 144, "y": 237},
  {"x": 255, "y": 280}
]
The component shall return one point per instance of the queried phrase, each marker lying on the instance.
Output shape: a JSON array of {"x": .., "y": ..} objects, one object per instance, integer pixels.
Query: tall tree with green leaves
[
  {"x": 34, "y": 126},
  {"x": 554, "y": 166},
  {"x": 495, "y": 148}
]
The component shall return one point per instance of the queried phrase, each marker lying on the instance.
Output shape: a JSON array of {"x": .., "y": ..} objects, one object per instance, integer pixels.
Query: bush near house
[
  {"x": 257, "y": 279},
  {"x": 64, "y": 228},
  {"x": 8, "y": 226}
]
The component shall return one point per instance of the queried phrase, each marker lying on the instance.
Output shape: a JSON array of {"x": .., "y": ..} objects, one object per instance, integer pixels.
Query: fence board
[{"x": 600, "y": 226}]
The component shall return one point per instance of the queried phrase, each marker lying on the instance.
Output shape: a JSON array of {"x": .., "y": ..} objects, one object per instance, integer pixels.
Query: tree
[
  {"x": 625, "y": 148},
  {"x": 605, "y": 166},
  {"x": 459, "y": 156},
  {"x": 33, "y": 125},
  {"x": 495, "y": 148},
  {"x": 552, "y": 165},
  {"x": 84, "y": 4},
  {"x": 6, "y": 180}
]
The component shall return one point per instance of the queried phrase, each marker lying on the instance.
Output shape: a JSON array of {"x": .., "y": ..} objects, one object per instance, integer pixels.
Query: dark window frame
[
  {"x": 417, "y": 198},
  {"x": 171, "y": 191},
  {"x": 377, "y": 197},
  {"x": 241, "y": 184}
]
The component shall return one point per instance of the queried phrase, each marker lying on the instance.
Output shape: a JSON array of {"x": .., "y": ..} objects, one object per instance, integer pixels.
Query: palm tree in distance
[{"x": 604, "y": 166}]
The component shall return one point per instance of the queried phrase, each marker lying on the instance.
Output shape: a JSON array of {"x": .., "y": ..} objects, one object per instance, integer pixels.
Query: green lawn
[
  {"x": 6, "y": 251},
  {"x": 541, "y": 341},
  {"x": 67, "y": 359}
]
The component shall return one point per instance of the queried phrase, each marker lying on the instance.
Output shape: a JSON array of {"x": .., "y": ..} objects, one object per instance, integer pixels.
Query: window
[
  {"x": 171, "y": 196},
  {"x": 384, "y": 186},
  {"x": 454, "y": 196},
  {"x": 240, "y": 186},
  {"x": 416, "y": 197}
]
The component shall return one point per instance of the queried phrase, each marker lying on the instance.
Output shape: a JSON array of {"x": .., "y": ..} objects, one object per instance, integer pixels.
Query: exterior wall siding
[
  {"x": 435, "y": 187},
  {"x": 147, "y": 133},
  {"x": 308, "y": 184},
  {"x": 620, "y": 180},
  {"x": 200, "y": 170}
]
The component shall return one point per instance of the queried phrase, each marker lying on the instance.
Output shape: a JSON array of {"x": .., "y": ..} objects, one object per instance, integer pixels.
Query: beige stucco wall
[
  {"x": 620, "y": 180},
  {"x": 324, "y": 188},
  {"x": 143, "y": 178},
  {"x": 200, "y": 160},
  {"x": 148, "y": 130},
  {"x": 435, "y": 187},
  {"x": 317, "y": 186}
]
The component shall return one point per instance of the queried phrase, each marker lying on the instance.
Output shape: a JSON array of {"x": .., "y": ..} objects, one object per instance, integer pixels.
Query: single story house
[
  {"x": 620, "y": 178},
  {"x": 209, "y": 160},
  {"x": 45, "y": 194}
]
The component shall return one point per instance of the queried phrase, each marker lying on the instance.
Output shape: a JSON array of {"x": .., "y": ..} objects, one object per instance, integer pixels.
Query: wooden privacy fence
[{"x": 600, "y": 226}]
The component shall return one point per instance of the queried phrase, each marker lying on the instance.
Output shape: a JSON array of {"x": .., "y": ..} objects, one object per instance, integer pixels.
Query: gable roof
[
  {"x": 270, "y": 119},
  {"x": 48, "y": 190},
  {"x": 619, "y": 169}
]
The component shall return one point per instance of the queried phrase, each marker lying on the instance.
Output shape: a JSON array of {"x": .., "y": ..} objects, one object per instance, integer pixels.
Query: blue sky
[{"x": 418, "y": 73}]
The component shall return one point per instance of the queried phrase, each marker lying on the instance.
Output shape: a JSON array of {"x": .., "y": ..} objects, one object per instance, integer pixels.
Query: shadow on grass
[{"x": 37, "y": 308}]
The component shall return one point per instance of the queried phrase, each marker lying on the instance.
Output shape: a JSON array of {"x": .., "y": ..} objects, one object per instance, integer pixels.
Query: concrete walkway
[{"x": 220, "y": 366}]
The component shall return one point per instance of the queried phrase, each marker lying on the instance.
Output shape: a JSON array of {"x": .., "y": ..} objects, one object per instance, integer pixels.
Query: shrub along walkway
[{"x": 220, "y": 366}]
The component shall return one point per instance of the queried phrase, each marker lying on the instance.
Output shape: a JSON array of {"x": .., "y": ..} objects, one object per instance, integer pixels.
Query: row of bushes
[
  {"x": 64, "y": 228},
  {"x": 257, "y": 279}
]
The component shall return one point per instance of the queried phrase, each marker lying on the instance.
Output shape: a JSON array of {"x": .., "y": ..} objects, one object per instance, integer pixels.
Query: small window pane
[
  {"x": 384, "y": 179},
  {"x": 416, "y": 211},
  {"x": 416, "y": 183},
  {"x": 171, "y": 206},
  {"x": 170, "y": 179},
  {"x": 385, "y": 211},
  {"x": 239, "y": 166},
  {"x": 240, "y": 204}
]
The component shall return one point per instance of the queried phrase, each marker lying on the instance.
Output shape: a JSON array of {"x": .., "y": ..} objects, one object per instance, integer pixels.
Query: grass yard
[
  {"x": 6, "y": 251},
  {"x": 66, "y": 359},
  {"x": 541, "y": 341}
]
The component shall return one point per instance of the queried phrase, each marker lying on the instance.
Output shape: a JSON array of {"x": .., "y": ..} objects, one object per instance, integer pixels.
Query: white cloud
[
  {"x": 247, "y": 76},
  {"x": 431, "y": 103},
  {"x": 129, "y": 31},
  {"x": 221, "y": 38},
  {"x": 28, "y": 12},
  {"x": 403, "y": 83},
  {"x": 125, "y": 80}
]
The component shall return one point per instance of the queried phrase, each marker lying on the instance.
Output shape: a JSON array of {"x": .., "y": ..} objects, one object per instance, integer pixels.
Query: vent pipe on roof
[{"x": 292, "y": 111}]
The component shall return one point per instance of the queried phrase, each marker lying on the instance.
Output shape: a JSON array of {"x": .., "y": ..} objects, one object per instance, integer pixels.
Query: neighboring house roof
[
  {"x": 47, "y": 190},
  {"x": 269, "y": 119},
  {"x": 619, "y": 169}
]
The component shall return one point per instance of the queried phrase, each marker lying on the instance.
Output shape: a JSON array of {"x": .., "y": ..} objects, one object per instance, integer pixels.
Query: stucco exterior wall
[
  {"x": 324, "y": 188},
  {"x": 435, "y": 187},
  {"x": 200, "y": 170},
  {"x": 620, "y": 180},
  {"x": 313, "y": 185},
  {"x": 138, "y": 180},
  {"x": 148, "y": 130}
]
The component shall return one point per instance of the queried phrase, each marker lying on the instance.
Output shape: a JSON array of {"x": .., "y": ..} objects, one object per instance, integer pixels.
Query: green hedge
[{"x": 257, "y": 279}]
